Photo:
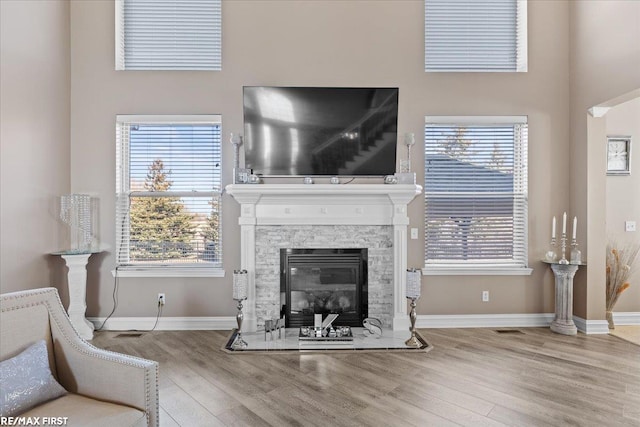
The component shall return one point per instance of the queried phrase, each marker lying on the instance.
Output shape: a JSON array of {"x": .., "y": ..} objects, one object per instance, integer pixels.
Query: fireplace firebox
[{"x": 323, "y": 281}]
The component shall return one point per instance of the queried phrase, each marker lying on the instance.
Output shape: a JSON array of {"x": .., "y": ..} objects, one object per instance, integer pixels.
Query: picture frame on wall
[{"x": 618, "y": 155}]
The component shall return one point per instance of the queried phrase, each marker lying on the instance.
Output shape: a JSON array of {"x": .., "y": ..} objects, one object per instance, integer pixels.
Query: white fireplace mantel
[{"x": 325, "y": 204}]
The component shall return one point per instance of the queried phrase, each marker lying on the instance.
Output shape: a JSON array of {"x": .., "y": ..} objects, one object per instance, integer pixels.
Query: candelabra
[
  {"x": 240, "y": 282},
  {"x": 575, "y": 256},
  {"x": 563, "y": 246},
  {"x": 413, "y": 293}
]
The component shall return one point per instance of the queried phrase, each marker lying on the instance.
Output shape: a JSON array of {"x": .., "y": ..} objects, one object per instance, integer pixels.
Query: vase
[{"x": 610, "y": 320}]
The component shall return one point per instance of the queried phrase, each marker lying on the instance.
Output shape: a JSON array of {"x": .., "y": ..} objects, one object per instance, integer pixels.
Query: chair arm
[
  {"x": 101, "y": 374},
  {"x": 108, "y": 376}
]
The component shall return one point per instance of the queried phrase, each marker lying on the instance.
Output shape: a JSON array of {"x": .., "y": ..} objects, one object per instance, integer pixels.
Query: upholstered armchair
[{"x": 104, "y": 388}]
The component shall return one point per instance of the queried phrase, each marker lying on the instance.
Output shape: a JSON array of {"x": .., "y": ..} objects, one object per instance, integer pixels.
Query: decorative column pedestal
[
  {"x": 77, "y": 282},
  {"x": 563, "y": 321}
]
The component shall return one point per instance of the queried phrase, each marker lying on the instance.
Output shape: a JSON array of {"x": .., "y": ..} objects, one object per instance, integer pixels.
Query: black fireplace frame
[{"x": 311, "y": 257}]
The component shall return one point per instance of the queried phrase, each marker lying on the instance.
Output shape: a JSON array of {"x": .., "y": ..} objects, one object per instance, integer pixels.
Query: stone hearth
[{"x": 372, "y": 216}]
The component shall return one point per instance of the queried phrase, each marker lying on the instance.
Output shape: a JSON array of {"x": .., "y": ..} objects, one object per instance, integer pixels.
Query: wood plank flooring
[{"x": 472, "y": 377}]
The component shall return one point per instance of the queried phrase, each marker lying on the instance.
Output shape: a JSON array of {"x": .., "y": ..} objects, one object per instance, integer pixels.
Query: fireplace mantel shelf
[
  {"x": 322, "y": 204},
  {"x": 251, "y": 193}
]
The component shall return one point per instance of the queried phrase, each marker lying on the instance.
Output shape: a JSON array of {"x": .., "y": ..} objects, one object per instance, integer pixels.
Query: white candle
[
  {"x": 575, "y": 226},
  {"x": 553, "y": 228},
  {"x": 564, "y": 223}
]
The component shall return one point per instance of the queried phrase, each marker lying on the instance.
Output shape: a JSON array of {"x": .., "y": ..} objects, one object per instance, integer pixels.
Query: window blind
[
  {"x": 475, "y": 35},
  {"x": 476, "y": 191},
  {"x": 168, "y": 181},
  {"x": 168, "y": 35}
]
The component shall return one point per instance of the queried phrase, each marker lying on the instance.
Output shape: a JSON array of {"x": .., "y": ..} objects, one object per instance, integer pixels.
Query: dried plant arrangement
[{"x": 620, "y": 267}]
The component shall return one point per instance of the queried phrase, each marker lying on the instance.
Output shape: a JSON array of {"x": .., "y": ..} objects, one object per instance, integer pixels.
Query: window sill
[
  {"x": 476, "y": 271},
  {"x": 131, "y": 271}
]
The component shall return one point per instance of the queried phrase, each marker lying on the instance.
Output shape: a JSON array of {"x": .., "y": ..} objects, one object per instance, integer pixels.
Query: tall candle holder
[
  {"x": 413, "y": 293},
  {"x": 563, "y": 246},
  {"x": 409, "y": 141},
  {"x": 405, "y": 176},
  {"x": 240, "y": 283},
  {"x": 240, "y": 175}
]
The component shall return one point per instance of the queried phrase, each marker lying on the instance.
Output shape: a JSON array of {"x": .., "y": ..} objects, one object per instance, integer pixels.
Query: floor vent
[
  {"x": 509, "y": 331},
  {"x": 134, "y": 335}
]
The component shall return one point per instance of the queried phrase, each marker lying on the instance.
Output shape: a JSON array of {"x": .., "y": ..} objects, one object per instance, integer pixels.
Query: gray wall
[
  {"x": 34, "y": 122},
  {"x": 623, "y": 194}
]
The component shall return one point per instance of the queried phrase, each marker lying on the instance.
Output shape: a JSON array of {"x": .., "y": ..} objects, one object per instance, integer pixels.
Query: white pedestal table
[{"x": 77, "y": 283}]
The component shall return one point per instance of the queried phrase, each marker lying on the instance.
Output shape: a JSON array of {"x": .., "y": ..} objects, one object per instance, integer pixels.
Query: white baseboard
[
  {"x": 484, "y": 320},
  {"x": 626, "y": 318},
  {"x": 602, "y": 327},
  {"x": 590, "y": 327},
  {"x": 423, "y": 321},
  {"x": 166, "y": 323},
  {"x": 227, "y": 323}
]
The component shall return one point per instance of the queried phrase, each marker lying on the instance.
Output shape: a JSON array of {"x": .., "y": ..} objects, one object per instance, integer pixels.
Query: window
[
  {"x": 168, "y": 35},
  {"x": 475, "y": 35},
  {"x": 476, "y": 195},
  {"x": 168, "y": 182}
]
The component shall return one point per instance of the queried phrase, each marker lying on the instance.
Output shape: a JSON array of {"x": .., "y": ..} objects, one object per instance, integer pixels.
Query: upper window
[
  {"x": 476, "y": 195},
  {"x": 475, "y": 35},
  {"x": 168, "y": 35},
  {"x": 168, "y": 185}
]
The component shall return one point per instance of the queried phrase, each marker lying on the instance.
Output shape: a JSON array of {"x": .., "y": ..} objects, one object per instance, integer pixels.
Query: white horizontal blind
[
  {"x": 168, "y": 185},
  {"x": 475, "y": 35},
  {"x": 168, "y": 35},
  {"x": 476, "y": 191}
]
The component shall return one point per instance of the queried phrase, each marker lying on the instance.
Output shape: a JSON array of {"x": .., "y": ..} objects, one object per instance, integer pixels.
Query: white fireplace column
[
  {"x": 247, "y": 223},
  {"x": 400, "y": 224},
  {"x": 324, "y": 204}
]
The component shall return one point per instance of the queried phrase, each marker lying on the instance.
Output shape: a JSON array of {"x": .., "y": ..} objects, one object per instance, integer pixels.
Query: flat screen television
[{"x": 320, "y": 131}]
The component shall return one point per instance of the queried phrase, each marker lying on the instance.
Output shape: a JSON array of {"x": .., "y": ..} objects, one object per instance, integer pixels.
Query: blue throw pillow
[{"x": 26, "y": 381}]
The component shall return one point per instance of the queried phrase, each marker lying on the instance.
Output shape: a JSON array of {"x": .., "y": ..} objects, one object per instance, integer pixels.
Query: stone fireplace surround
[{"x": 373, "y": 216}]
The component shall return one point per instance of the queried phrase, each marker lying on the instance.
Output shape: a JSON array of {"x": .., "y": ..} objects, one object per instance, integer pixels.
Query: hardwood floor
[{"x": 473, "y": 377}]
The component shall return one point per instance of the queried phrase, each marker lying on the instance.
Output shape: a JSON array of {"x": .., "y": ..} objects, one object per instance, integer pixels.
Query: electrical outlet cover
[{"x": 414, "y": 233}]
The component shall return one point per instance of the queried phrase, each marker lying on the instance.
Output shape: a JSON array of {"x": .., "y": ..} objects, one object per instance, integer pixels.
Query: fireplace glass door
[{"x": 324, "y": 281}]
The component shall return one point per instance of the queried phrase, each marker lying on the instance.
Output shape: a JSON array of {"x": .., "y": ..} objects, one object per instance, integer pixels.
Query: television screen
[{"x": 304, "y": 131}]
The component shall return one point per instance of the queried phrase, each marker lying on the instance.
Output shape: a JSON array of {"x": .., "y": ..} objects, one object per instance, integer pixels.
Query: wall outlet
[
  {"x": 414, "y": 233},
  {"x": 485, "y": 296},
  {"x": 161, "y": 299},
  {"x": 629, "y": 226}
]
